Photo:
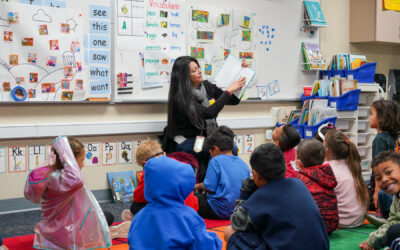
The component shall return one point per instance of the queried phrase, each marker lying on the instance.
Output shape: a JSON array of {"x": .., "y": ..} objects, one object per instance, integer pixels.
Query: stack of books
[
  {"x": 315, "y": 111},
  {"x": 347, "y": 61}
]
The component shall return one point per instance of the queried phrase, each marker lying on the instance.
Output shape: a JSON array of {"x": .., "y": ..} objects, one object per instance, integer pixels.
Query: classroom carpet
[{"x": 341, "y": 239}]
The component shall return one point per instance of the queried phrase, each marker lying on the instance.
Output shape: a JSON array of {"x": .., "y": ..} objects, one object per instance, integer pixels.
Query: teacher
[{"x": 193, "y": 106}]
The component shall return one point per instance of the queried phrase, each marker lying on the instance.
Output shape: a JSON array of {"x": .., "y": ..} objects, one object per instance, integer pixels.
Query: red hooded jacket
[{"x": 321, "y": 182}]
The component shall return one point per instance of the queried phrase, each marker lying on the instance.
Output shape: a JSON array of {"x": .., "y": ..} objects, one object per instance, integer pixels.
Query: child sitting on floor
[
  {"x": 71, "y": 216},
  {"x": 287, "y": 137},
  {"x": 386, "y": 168},
  {"x": 165, "y": 222},
  {"x": 280, "y": 212},
  {"x": 224, "y": 177},
  {"x": 351, "y": 190},
  {"x": 319, "y": 179}
]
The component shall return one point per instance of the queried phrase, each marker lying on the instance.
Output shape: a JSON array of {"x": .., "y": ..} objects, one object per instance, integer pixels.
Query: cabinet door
[{"x": 387, "y": 24}]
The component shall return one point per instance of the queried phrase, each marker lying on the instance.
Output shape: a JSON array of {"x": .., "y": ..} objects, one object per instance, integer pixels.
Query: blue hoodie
[{"x": 166, "y": 222}]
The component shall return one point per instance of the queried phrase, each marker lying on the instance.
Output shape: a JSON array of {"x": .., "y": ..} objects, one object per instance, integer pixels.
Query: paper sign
[
  {"x": 101, "y": 12},
  {"x": 92, "y": 157},
  {"x": 3, "y": 160},
  {"x": 249, "y": 144},
  {"x": 16, "y": 159},
  {"x": 109, "y": 150},
  {"x": 239, "y": 143},
  {"x": 36, "y": 156},
  {"x": 125, "y": 152}
]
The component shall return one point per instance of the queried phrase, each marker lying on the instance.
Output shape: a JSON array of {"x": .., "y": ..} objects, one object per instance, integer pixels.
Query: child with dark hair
[
  {"x": 386, "y": 168},
  {"x": 351, "y": 191},
  {"x": 385, "y": 118},
  {"x": 165, "y": 222},
  {"x": 279, "y": 212},
  {"x": 319, "y": 179},
  {"x": 286, "y": 138},
  {"x": 224, "y": 177}
]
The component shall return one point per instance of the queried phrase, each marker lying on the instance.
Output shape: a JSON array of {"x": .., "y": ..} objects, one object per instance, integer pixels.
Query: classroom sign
[
  {"x": 125, "y": 152},
  {"x": 216, "y": 33},
  {"x": 40, "y": 53},
  {"x": 16, "y": 159},
  {"x": 3, "y": 160},
  {"x": 92, "y": 157},
  {"x": 109, "y": 150},
  {"x": 36, "y": 156}
]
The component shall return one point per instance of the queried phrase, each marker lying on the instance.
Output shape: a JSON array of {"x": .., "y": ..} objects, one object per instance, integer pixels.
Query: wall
[{"x": 334, "y": 38}]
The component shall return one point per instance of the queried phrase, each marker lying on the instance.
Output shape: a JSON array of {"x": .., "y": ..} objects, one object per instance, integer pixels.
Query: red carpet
[{"x": 25, "y": 242}]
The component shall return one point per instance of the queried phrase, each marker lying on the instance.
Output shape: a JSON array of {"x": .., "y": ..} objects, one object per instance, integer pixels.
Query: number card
[
  {"x": 3, "y": 160},
  {"x": 92, "y": 157},
  {"x": 239, "y": 143},
  {"x": 16, "y": 159},
  {"x": 109, "y": 150},
  {"x": 125, "y": 152},
  {"x": 249, "y": 144},
  {"x": 36, "y": 156}
]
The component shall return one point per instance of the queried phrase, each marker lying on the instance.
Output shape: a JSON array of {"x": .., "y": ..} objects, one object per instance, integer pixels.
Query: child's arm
[
  {"x": 70, "y": 178},
  {"x": 247, "y": 189},
  {"x": 378, "y": 238}
]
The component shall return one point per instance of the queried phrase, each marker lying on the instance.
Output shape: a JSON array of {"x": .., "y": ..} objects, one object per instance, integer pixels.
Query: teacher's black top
[{"x": 183, "y": 125}]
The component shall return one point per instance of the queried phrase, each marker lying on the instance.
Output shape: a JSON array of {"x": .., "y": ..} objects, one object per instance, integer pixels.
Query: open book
[{"x": 232, "y": 70}]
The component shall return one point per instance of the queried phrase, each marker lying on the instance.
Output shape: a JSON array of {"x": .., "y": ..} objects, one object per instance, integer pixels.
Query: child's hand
[{"x": 364, "y": 246}]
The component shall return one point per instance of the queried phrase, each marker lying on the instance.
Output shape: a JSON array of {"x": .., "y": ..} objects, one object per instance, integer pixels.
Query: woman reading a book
[{"x": 193, "y": 106}]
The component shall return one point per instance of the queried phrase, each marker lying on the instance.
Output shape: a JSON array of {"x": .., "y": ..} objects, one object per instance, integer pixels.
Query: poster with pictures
[
  {"x": 216, "y": 33},
  {"x": 137, "y": 143},
  {"x": 92, "y": 157},
  {"x": 165, "y": 40},
  {"x": 36, "y": 156},
  {"x": 17, "y": 159},
  {"x": 39, "y": 47},
  {"x": 239, "y": 143},
  {"x": 109, "y": 153},
  {"x": 249, "y": 143},
  {"x": 3, "y": 160},
  {"x": 125, "y": 152}
]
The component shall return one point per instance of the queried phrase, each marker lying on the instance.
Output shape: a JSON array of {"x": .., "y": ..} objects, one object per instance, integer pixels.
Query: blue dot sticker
[{"x": 19, "y": 94}]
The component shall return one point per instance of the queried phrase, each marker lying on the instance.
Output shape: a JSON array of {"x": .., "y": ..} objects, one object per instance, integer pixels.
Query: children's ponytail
[{"x": 340, "y": 147}]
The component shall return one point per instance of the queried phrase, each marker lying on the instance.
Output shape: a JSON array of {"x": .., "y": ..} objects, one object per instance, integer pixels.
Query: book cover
[
  {"x": 314, "y": 13},
  {"x": 232, "y": 70},
  {"x": 122, "y": 185},
  {"x": 313, "y": 56}
]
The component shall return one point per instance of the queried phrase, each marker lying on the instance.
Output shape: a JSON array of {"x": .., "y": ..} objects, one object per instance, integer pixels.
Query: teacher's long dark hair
[{"x": 180, "y": 97}]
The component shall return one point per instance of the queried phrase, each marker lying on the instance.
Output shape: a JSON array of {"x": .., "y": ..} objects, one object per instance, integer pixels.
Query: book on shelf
[
  {"x": 346, "y": 61},
  {"x": 313, "y": 14},
  {"x": 294, "y": 114},
  {"x": 312, "y": 56},
  {"x": 232, "y": 70},
  {"x": 342, "y": 86}
]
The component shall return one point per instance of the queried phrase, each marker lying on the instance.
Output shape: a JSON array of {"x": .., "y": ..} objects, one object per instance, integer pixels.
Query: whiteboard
[
  {"x": 277, "y": 58},
  {"x": 51, "y": 48}
]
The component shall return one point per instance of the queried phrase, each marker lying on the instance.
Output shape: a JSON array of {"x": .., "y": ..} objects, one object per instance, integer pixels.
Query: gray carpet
[{"x": 21, "y": 223}]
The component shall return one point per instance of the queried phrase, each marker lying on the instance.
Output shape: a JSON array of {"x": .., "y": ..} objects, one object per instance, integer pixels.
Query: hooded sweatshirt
[
  {"x": 321, "y": 183},
  {"x": 166, "y": 222},
  {"x": 71, "y": 216}
]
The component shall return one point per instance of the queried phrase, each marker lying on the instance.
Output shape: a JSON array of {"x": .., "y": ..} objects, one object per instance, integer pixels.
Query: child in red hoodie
[
  {"x": 286, "y": 138},
  {"x": 319, "y": 179}
]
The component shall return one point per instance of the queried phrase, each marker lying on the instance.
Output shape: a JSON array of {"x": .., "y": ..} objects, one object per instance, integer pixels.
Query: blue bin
[
  {"x": 295, "y": 124},
  {"x": 309, "y": 131},
  {"x": 346, "y": 102},
  {"x": 363, "y": 74},
  {"x": 325, "y": 74},
  {"x": 338, "y": 73}
]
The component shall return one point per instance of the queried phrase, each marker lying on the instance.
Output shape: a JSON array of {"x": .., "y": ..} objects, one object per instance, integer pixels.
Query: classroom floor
[{"x": 17, "y": 230}]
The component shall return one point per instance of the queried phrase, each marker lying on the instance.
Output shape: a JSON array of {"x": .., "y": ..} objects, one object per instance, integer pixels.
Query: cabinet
[
  {"x": 355, "y": 124},
  {"x": 370, "y": 23}
]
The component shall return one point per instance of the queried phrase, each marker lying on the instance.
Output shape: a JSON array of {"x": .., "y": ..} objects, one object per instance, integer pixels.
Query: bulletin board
[
  {"x": 55, "y": 50},
  {"x": 149, "y": 35}
]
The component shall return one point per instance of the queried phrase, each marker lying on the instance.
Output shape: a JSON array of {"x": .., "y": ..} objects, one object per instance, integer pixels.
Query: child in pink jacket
[{"x": 71, "y": 216}]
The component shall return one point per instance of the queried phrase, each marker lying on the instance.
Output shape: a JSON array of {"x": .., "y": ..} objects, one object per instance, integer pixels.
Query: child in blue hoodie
[{"x": 166, "y": 222}]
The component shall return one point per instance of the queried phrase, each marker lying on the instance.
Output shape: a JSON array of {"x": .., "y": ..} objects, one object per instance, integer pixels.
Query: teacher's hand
[{"x": 236, "y": 85}]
